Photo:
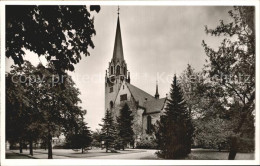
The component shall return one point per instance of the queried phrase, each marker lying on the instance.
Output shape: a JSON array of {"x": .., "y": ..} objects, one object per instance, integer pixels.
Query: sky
[{"x": 158, "y": 42}]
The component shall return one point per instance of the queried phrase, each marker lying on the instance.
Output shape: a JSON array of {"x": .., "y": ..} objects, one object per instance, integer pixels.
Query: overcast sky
[{"x": 157, "y": 42}]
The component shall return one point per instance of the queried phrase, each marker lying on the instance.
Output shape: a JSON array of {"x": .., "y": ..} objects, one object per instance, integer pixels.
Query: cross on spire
[{"x": 118, "y": 8}]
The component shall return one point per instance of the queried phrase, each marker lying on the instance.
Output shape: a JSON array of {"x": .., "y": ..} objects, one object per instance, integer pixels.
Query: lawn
[{"x": 209, "y": 154}]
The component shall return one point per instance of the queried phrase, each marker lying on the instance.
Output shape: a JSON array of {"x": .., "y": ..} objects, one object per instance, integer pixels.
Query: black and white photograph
[{"x": 130, "y": 82}]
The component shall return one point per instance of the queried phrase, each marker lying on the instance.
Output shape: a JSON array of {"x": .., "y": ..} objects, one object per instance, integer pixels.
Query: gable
[
  {"x": 123, "y": 93},
  {"x": 139, "y": 95}
]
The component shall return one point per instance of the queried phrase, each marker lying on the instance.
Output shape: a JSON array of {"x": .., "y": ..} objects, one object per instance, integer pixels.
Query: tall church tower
[{"x": 117, "y": 72}]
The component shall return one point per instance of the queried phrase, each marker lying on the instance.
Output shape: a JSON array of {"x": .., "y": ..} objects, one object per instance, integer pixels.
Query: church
[{"x": 146, "y": 109}]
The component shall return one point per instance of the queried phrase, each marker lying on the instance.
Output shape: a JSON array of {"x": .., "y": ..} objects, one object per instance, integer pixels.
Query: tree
[
  {"x": 39, "y": 106},
  {"x": 22, "y": 111},
  {"x": 80, "y": 139},
  {"x": 174, "y": 134},
  {"x": 124, "y": 127},
  {"x": 188, "y": 82},
  {"x": 210, "y": 129},
  {"x": 234, "y": 66},
  {"x": 211, "y": 133},
  {"x": 108, "y": 131},
  {"x": 16, "y": 101},
  {"x": 59, "y": 104},
  {"x": 97, "y": 138},
  {"x": 62, "y": 34}
]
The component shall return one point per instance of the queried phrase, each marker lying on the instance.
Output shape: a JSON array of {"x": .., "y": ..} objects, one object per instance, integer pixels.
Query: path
[{"x": 92, "y": 154}]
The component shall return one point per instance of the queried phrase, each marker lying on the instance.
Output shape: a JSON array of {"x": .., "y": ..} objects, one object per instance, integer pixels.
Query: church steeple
[
  {"x": 118, "y": 66},
  {"x": 156, "y": 93},
  {"x": 118, "y": 54}
]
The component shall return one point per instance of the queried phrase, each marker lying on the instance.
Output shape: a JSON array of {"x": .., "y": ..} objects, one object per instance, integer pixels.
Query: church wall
[
  {"x": 111, "y": 96},
  {"x": 154, "y": 118},
  {"x": 123, "y": 90},
  {"x": 119, "y": 104},
  {"x": 138, "y": 124},
  {"x": 136, "y": 112}
]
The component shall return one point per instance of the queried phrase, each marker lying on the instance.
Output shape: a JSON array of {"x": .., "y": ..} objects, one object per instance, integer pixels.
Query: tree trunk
[
  {"x": 233, "y": 148},
  {"x": 31, "y": 147},
  {"x": 82, "y": 150},
  {"x": 21, "y": 147},
  {"x": 49, "y": 146}
]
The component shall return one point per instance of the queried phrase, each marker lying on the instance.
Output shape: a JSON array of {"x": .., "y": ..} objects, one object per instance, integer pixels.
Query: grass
[
  {"x": 17, "y": 156},
  {"x": 206, "y": 154}
]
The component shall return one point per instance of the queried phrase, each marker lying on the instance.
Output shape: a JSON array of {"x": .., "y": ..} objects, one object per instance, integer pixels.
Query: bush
[
  {"x": 59, "y": 147},
  {"x": 246, "y": 145},
  {"x": 146, "y": 144}
]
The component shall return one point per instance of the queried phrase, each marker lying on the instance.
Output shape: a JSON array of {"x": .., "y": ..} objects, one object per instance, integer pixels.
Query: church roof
[
  {"x": 151, "y": 105},
  {"x": 155, "y": 105},
  {"x": 139, "y": 95},
  {"x": 118, "y": 54}
]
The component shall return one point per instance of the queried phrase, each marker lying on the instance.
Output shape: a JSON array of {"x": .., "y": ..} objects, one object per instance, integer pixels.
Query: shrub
[{"x": 146, "y": 144}]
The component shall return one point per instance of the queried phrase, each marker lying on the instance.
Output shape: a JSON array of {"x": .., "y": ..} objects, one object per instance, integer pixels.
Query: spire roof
[
  {"x": 156, "y": 93},
  {"x": 118, "y": 54}
]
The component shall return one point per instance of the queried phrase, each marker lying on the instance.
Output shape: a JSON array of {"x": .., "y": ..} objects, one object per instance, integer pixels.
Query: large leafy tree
[
  {"x": 175, "y": 130},
  {"x": 233, "y": 63},
  {"x": 16, "y": 103},
  {"x": 59, "y": 104},
  {"x": 22, "y": 113},
  {"x": 210, "y": 128},
  {"x": 39, "y": 106},
  {"x": 124, "y": 126},
  {"x": 108, "y": 131},
  {"x": 60, "y": 33}
]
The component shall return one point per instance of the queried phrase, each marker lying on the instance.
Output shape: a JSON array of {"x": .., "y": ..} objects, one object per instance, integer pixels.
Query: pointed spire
[
  {"x": 156, "y": 93},
  {"x": 118, "y": 47}
]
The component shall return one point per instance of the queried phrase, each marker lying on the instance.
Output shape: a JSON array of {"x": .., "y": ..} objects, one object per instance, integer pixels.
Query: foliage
[
  {"x": 188, "y": 81},
  {"x": 175, "y": 130},
  {"x": 21, "y": 110},
  {"x": 38, "y": 108},
  {"x": 108, "y": 131},
  {"x": 97, "y": 138},
  {"x": 146, "y": 144},
  {"x": 234, "y": 66},
  {"x": 60, "y": 33},
  {"x": 210, "y": 127},
  {"x": 80, "y": 139},
  {"x": 124, "y": 127},
  {"x": 211, "y": 133}
]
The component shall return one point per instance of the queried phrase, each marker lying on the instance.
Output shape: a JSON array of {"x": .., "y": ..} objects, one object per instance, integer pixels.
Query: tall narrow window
[
  {"x": 117, "y": 70},
  {"x": 112, "y": 70},
  {"x": 111, "y": 104},
  {"x": 149, "y": 124}
]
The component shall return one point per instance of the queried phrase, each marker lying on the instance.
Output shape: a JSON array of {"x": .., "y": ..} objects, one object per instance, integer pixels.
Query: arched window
[
  {"x": 112, "y": 70},
  {"x": 111, "y": 104},
  {"x": 149, "y": 124},
  {"x": 118, "y": 70}
]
